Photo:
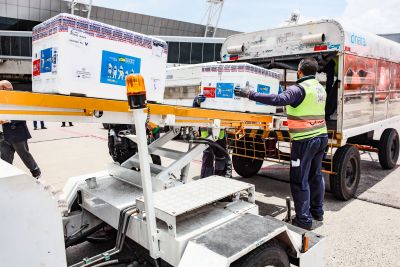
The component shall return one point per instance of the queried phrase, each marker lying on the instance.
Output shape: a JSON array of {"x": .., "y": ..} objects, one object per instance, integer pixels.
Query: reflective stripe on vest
[
  {"x": 205, "y": 133},
  {"x": 307, "y": 120}
]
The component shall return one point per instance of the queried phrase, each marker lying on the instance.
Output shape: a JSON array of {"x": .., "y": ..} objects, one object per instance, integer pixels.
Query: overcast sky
[{"x": 250, "y": 15}]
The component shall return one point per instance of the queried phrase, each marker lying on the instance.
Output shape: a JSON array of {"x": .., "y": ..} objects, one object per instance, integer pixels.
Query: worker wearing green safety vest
[
  {"x": 213, "y": 161},
  {"x": 305, "y": 106}
]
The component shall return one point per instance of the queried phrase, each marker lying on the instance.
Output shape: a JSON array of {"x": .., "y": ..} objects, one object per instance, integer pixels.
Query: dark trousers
[
  {"x": 8, "y": 150},
  {"x": 306, "y": 180},
  {"x": 213, "y": 161},
  {"x": 41, "y": 124}
]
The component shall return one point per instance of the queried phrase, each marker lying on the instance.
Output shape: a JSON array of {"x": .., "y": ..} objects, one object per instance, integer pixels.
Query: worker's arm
[{"x": 294, "y": 95}]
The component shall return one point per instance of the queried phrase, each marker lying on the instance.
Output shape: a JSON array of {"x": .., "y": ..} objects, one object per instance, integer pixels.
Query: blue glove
[
  {"x": 241, "y": 92},
  {"x": 201, "y": 98},
  {"x": 198, "y": 100}
]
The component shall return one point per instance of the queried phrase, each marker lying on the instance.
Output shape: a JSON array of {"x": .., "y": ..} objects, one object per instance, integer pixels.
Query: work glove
[
  {"x": 241, "y": 92},
  {"x": 199, "y": 99}
]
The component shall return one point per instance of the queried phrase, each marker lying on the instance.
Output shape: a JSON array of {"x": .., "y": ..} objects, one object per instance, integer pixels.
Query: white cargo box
[
  {"x": 216, "y": 82},
  {"x": 219, "y": 80},
  {"x": 182, "y": 84},
  {"x": 77, "y": 56}
]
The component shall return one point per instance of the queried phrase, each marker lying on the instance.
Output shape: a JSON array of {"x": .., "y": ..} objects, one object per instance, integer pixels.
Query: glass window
[
  {"x": 15, "y": 46},
  {"x": 208, "y": 53},
  {"x": 17, "y": 24},
  {"x": 184, "y": 53},
  {"x": 26, "y": 50},
  {"x": 173, "y": 52},
  {"x": 5, "y": 45},
  {"x": 197, "y": 53},
  {"x": 218, "y": 52}
]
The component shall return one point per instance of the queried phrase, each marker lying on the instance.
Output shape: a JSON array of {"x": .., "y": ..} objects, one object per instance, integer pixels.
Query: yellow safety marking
[
  {"x": 61, "y": 101},
  {"x": 207, "y": 113},
  {"x": 280, "y": 136},
  {"x": 37, "y": 112},
  {"x": 91, "y": 104}
]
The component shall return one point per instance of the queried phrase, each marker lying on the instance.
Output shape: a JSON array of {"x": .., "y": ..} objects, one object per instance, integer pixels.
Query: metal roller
[
  {"x": 235, "y": 49},
  {"x": 313, "y": 38}
]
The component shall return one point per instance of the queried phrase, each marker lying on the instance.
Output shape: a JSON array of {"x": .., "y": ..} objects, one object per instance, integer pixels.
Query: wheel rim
[{"x": 351, "y": 173}]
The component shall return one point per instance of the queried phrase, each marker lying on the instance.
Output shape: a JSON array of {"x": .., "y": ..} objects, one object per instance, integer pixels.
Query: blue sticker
[
  {"x": 224, "y": 90},
  {"x": 264, "y": 89},
  {"x": 334, "y": 46},
  {"x": 46, "y": 60},
  {"x": 115, "y": 67}
]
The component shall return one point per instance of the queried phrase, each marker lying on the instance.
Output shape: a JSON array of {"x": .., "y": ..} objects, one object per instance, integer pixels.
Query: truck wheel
[
  {"x": 269, "y": 254},
  {"x": 388, "y": 149},
  {"x": 347, "y": 165},
  {"x": 246, "y": 167}
]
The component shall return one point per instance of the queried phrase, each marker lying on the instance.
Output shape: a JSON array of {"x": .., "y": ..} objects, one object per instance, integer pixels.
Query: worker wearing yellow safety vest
[
  {"x": 213, "y": 161},
  {"x": 305, "y": 107}
]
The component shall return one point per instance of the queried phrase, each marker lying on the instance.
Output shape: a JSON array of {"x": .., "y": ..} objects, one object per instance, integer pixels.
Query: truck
[{"x": 361, "y": 74}]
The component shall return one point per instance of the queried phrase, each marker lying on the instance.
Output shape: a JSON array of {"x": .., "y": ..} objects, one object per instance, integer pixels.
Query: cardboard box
[{"x": 77, "y": 56}]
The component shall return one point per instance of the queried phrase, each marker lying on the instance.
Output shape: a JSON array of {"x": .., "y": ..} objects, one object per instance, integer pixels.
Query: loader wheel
[
  {"x": 347, "y": 165},
  {"x": 246, "y": 167},
  {"x": 269, "y": 254},
  {"x": 388, "y": 149}
]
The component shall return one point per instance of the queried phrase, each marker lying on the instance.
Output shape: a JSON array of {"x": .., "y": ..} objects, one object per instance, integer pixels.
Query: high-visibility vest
[
  {"x": 206, "y": 132},
  {"x": 307, "y": 120}
]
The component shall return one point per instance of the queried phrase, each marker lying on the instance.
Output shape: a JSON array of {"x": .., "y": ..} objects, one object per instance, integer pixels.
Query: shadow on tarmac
[{"x": 273, "y": 181}]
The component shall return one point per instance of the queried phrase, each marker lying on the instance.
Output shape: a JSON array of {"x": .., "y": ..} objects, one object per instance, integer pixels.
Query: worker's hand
[
  {"x": 4, "y": 122},
  {"x": 200, "y": 99},
  {"x": 5, "y": 85},
  {"x": 242, "y": 92}
]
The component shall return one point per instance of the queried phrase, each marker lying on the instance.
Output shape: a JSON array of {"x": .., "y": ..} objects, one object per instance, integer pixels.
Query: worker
[
  {"x": 213, "y": 161},
  {"x": 305, "y": 107},
  {"x": 16, "y": 135}
]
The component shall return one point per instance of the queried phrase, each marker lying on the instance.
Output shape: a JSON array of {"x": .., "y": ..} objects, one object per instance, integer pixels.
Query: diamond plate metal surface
[{"x": 181, "y": 199}]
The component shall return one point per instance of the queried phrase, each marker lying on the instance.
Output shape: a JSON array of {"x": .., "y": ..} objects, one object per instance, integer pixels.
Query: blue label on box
[
  {"x": 264, "y": 89},
  {"x": 46, "y": 60},
  {"x": 115, "y": 67},
  {"x": 224, "y": 90}
]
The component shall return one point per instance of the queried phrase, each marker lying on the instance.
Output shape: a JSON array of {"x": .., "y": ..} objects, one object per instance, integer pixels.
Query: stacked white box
[
  {"x": 219, "y": 80},
  {"x": 73, "y": 55}
]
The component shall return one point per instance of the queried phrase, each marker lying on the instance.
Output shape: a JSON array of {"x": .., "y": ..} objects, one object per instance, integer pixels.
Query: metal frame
[{"x": 137, "y": 205}]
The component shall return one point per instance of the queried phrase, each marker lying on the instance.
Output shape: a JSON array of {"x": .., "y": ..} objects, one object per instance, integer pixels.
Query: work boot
[
  {"x": 63, "y": 124},
  {"x": 307, "y": 227},
  {"x": 70, "y": 124},
  {"x": 36, "y": 173},
  {"x": 34, "y": 128},
  {"x": 44, "y": 128},
  {"x": 319, "y": 218}
]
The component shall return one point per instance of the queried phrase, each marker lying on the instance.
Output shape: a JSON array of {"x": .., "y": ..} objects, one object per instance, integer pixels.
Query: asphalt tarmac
[{"x": 364, "y": 231}]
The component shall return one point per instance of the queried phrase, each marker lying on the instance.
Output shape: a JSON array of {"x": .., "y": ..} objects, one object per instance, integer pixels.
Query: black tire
[
  {"x": 347, "y": 165},
  {"x": 246, "y": 167},
  {"x": 269, "y": 254},
  {"x": 388, "y": 149}
]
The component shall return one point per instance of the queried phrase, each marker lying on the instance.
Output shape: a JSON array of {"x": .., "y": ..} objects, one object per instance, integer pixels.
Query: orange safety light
[
  {"x": 306, "y": 243},
  {"x": 136, "y": 91}
]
